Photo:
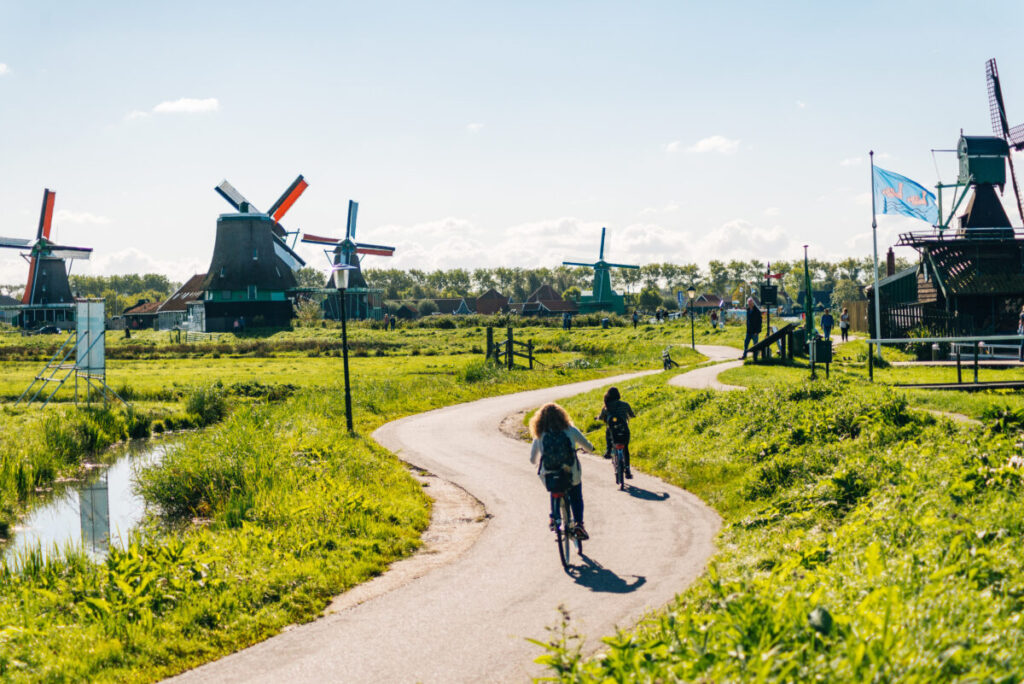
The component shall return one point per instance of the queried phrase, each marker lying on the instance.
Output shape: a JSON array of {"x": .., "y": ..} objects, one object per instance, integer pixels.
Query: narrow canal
[{"x": 91, "y": 514}]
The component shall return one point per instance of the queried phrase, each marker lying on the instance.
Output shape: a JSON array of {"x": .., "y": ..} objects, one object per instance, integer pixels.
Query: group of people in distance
[
  {"x": 827, "y": 323},
  {"x": 553, "y": 418}
]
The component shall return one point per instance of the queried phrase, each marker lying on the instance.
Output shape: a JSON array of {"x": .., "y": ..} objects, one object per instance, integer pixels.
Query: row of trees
[{"x": 848, "y": 276}]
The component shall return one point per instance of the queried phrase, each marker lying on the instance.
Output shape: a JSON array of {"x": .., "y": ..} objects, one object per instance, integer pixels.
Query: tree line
[{"x": 848, "y": 276}]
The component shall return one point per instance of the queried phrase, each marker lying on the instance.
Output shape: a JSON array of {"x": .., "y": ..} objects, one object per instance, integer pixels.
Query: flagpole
[{"x": 874, "y": 242}]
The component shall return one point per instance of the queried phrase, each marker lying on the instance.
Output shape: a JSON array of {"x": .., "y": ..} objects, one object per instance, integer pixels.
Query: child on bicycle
[
  {"x": 616, "y": 414},
  {"x": 553, "y": 418}
]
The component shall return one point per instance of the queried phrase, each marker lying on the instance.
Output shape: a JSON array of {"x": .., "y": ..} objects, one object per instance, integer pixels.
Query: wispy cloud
[
  {"x": 187, "y": 105},
  {"x": 667, "y": 209},
  {"x": 184, "y": 105},
  {"x": 852, "y": 161},
  {"x": 715, "y": 143},
  {"x": 4, "y": 69},
  {"x": 674, "y": 146},
  {"x": 800, "y": 104},
  {"x": 79, "y": 217},
  {"x": 474, "y": 128},
  {"x": 772, "y": 211}
]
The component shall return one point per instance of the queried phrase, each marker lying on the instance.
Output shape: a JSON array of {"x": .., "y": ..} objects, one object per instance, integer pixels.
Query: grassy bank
[{"x": 864, "y": 541}]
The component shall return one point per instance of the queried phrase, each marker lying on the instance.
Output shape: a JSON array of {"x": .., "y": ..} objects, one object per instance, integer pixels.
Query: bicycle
[
  {"x": 619, "y": 463},
  {"x": 565, "y": 529}
]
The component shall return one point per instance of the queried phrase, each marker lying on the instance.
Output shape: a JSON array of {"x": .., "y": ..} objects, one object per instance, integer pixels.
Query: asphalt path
[
  {"x": 468, "y": 620},
  {"x": 706, "y": 377}
]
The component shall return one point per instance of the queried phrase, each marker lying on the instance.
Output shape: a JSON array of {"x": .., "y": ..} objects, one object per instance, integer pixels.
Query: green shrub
[{"x": 207, "y": 404}]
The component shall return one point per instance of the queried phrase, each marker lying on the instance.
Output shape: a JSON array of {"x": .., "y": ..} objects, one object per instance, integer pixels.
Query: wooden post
[
  {"x": 490, "y": 341},
  {"x": 871, "y": 364},
  {"x": 508, "y": 349},
  {"x": 529, "y": 351},
  {"x": 976, "y": 351},
  {"x": 959, "y": 375}
]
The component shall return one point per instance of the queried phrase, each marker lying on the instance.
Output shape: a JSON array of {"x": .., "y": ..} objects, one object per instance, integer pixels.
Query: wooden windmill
[
  {"x": 253, "y": 267},
  {"x": 346, "y": 251},
  {"x": 602, "y": 298},
  {"x": 47, "y": 295}
]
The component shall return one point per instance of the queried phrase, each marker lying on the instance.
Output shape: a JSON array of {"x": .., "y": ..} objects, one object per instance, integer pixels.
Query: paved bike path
[
  {"x": 706, "y": 377},
  {"x": 468, "y": 621}
]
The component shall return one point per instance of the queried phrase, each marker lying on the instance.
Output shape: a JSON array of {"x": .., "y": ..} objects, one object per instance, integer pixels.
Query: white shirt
[{"x": 577, "y": 438}]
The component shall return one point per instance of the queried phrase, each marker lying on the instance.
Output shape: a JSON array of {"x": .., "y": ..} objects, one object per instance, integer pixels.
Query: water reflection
[{"x": 89, "y": 514}]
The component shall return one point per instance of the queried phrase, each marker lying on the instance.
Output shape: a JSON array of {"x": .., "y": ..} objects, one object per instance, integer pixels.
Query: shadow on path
[
  {"x": 645, "y": 494},
  {"x": 596, "y": 577}
]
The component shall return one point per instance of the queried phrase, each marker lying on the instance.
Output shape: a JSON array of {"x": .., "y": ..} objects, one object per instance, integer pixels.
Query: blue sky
[{"x": 482, "y": 134}]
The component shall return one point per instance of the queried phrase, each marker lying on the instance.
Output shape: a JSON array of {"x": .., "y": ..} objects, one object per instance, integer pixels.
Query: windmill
[
  {"x": 253, "y": 267},
  {"x": 1014, "y": 137},
  {"x": 47, "y": 284},
  {"x": 602, "y": 298},
  {"x": 346, "y": 251}
]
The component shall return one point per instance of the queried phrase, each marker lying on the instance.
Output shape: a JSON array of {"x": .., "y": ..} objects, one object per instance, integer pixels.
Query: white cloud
[
  {"x": 474, "y": 128},
  {"x": 863, "y": 199},
  {"x": 79, "y": 217},
  {"x": 132, "y": 260},
  {"x": 4, "y": 69},
  {"x": 740, "y": 239},
  {"x": 187, "y": 105},
  {"x": 800, "y": 104},
  {"x": 772, "y": 211},
  {"x": 851, "y": 161},
  {"x": 672, "y": 206},
  {"x": 715, "y": 143},
  {"x": 674, "y": 146}
]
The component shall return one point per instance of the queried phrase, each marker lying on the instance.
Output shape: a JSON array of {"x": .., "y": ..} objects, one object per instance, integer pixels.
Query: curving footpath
[
  {"x": 707, "y": 376},
  {"x": 468, "y": 620}
]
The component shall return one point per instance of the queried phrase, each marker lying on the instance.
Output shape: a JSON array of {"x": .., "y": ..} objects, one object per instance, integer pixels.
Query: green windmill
[{"x": 603, "y": 297}]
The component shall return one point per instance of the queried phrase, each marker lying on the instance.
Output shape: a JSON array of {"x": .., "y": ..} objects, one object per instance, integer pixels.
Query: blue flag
[{"x": 896, "y": 194}]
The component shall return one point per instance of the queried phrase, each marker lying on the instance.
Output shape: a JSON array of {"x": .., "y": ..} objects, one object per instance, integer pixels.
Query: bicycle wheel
[
  {"x": 562, "y": 529},
  {"x": 619, "y": 463},
  {"x": 569, "y": 524}
]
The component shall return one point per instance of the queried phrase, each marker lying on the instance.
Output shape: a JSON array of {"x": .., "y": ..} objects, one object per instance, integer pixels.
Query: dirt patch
[
  {"x": 513, "y": 428},
  {"x": 456, "y": 521}
]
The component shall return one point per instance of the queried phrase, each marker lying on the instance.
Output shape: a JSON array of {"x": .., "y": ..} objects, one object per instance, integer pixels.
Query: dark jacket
[
  {"x": 753, "y": 320},
  {"x": 618, "y": 411}
]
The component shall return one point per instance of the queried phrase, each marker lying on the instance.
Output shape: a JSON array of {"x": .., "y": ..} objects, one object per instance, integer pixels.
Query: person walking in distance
[
  {"x": 552, "y": 430},
  {"x": 827, "y": 322},
  {"x": 636, "y": 318},
  {"x": 1020, "y": 331},
  {"x": 753, "y": 325},
  {"x": 844, "y": 324}
]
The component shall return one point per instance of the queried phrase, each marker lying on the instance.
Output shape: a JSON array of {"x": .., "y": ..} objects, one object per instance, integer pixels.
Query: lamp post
[
  {"x": 341, "y": 272},
  {"x": 691, "y": 292}
]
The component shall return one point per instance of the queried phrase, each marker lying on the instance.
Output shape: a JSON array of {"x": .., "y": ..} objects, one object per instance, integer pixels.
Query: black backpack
[
  {"x": 557, "y": 452},
  {"x": 618, "y": 428}
]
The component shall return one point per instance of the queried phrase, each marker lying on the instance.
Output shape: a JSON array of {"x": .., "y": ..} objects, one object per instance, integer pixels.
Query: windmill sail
[
  {"x": 1014, "y": 137},
  {"x": 285, "y": 201}
]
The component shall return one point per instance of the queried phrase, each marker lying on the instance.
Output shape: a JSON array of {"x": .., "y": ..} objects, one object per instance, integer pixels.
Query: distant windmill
[
  {"x": 1014, "y": 137},
  {"x": 602, "y": 297},
  {"x": 346, "y": 251},
  {"x": 253, "y": 267},
  {"x": 47, "y": 272}
]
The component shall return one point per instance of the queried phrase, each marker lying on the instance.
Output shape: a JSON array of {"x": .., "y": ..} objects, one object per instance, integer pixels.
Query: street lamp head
[
  {"x": 339, "y": 272},
  {"x": 691, "y": 292}
]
